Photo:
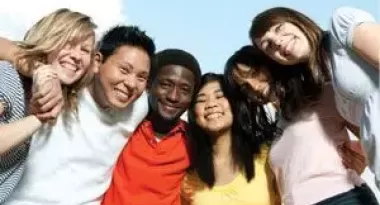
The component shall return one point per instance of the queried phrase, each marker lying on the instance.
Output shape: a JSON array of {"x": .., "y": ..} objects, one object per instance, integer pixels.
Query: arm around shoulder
[
  {"x": 8, "y": 50},
  {"x": 17, "y": 132}
]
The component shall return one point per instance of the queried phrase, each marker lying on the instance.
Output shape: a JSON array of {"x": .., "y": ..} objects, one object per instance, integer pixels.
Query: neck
[
  {"x": 221, "y": 144},
  {"x": 161, "y": 126}
]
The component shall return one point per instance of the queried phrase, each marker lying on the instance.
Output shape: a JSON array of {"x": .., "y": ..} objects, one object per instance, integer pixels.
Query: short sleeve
[
  {"x": 370, "y": 133},
  {"x": 343, "y": 22},
  {"x": 5, "y": 101},
  {"x": 190, "y": 185}
]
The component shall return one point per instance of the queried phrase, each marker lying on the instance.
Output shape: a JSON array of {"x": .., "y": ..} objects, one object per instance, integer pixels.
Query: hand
[
  {"x": 353, "y": 156},
  {"x": 47, "y": 99}
]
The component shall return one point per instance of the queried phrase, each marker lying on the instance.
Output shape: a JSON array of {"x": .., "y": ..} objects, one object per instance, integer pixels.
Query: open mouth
[
  {"x": 287, "y": 49},
  {"x": 212, "y": 116},
  {"x": 69, "y": 66},
  {"x": 122, "y": 95}
]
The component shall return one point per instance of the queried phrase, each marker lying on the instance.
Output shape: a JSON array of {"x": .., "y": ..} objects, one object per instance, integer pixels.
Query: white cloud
[{"x": 16, "y": 16}]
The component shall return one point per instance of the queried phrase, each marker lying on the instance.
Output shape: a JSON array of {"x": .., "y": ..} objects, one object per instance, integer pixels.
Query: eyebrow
[
  {"x": 278, "y": 26},
  {"x": 124, "y": 64}
]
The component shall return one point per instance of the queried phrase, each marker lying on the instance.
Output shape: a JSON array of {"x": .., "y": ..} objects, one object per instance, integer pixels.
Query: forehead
[
  {"x": 131, "y": 56},
  {"x": 176, "y": 73},
  {"x": 82, "y": 39},
  {"x": 210, "y": 88}
]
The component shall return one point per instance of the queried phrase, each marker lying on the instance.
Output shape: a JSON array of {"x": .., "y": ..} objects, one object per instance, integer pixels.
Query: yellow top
[{"x": 238, "y": 192}]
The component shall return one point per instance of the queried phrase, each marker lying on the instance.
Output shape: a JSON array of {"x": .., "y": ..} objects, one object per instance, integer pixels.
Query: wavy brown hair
[{"x": 304, "y": 82}]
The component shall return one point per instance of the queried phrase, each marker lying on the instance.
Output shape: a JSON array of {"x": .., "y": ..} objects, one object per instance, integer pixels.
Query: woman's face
[
  {"x": 255, "y": 83},
  {"x": 285, "y": 43},
  {"x": 73, "y": 61},
  {"x": 212, "y": 109}
]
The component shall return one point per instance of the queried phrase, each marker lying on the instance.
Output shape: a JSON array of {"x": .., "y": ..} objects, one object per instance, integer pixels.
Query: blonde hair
[{"x": 51, "y": 34}]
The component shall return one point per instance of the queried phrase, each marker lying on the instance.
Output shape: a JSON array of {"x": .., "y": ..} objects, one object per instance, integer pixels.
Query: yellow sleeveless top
[{"x": 258, "y": 191}]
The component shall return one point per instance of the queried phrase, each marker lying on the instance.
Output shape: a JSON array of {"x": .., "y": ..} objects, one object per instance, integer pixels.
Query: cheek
[
  {"x": 52, "y": 58},
  {"x": 198, "y": 113},
  {"x": 200, "y": 122},
  {"x": 87, "y": 61},
  {"x": 110, "y": 75},
  {"x": 228, "y": 110},
  {"x": 140, "y": 87}
]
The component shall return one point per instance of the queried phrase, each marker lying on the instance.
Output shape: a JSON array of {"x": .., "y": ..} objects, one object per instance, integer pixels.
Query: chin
[
  {"x": 168, "y": 117},
  {"x": 118, "y": 105},
  {"x": 68, "y": 81}
]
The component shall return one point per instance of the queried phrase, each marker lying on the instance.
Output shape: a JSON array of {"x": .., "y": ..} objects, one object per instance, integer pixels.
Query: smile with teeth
[
  {"x": 123, "y": 96},
  {"x": 69, "y": 66},
  {"x": 214, "y": 115},
  {"x": 288, "y": 47}
]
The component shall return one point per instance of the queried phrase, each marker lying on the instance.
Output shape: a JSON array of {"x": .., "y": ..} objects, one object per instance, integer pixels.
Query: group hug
[{"x": 101, "y": 122}]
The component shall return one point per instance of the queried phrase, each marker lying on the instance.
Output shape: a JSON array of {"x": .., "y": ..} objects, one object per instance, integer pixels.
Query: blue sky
[{"x": 212, "y": 30}]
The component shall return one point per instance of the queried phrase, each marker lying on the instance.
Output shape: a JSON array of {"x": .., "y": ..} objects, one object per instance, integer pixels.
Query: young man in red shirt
[{"x": 152, "y": 165}]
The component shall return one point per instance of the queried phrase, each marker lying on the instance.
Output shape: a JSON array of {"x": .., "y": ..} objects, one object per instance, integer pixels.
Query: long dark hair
[
  {"x": 263, "y": 129},
  {"x": 243, "y": 149},
  {"x": 303, "y": 83}
]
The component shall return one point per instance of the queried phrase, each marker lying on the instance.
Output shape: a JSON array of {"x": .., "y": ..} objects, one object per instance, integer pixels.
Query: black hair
[
  {"x": 125, "y": 35},
  {"x": 243, "y": 149},
  {"x": 264, "y": 129},
  {"x": 176, "y": 57}
]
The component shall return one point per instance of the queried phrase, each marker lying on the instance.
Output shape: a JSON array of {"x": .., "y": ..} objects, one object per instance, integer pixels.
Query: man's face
[
  {"x": 171, "y": 91},
  {"x": 122, "y": 77}
]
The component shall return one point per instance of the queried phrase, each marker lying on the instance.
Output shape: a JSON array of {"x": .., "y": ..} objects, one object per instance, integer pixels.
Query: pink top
[{"x": 305, "y": 161}]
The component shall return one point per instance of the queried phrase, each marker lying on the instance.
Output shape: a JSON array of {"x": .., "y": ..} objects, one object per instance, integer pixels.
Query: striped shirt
[{"x": 12, "y": 97}]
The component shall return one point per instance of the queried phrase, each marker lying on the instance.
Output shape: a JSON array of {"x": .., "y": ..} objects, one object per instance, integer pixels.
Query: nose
[
  {"x": 273, "y": 39},
  {"x": 210, "y": 103},
  {"x": 75, "y": 53},
  {"x": 130, "y": 82},
  {"x": 173, "y": 95}
]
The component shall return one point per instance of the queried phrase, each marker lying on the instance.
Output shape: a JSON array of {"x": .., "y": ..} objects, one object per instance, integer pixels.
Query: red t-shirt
[{"x": 150, "y": 172}]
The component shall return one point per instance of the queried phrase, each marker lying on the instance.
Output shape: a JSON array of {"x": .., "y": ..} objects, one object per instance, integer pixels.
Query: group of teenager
[{"x": 85, "y": 122}]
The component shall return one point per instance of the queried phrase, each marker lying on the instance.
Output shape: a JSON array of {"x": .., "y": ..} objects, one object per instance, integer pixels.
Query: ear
[{"x": 98, "y": 59}]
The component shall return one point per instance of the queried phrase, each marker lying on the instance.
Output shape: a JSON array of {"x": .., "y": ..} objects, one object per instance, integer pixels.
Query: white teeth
[
  {"x": 69, "y": 66},
  {"x": 213, "y": 116},
  {"x": 123, "y": 96}
]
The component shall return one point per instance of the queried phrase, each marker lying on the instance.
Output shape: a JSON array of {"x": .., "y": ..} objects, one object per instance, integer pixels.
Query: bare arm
[
  {"x": 8, "y": 50},
  {"x": 17, "y": 132},
  {"x": 274, "y": 193},
  {"x": 366, "y": 42}
]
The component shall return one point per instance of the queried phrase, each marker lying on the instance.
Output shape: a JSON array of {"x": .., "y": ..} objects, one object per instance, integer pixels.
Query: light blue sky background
[{"x": 212, "y": 30}]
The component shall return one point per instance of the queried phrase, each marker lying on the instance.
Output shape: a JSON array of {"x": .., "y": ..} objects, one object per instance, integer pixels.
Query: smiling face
[
  {"x": 254, "y": 83},
  {"x": 171, "y": 91},
  {"x": 122, "y": 77},
  {"x": 73, "y": 60},
  {"x": 212, "y": 109},
  {"x": 285, "y": 43}
]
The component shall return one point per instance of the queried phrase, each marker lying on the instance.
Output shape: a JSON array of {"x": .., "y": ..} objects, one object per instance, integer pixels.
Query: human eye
[
  {"x": 142, "y": 77},
  {"x": 164, "y": 84},
  {"x": 279, "y": 27},
  {"x": 200, "y": 100},
  {"x": 86, "y": 50},
  {"x": 124, "y": 69}
]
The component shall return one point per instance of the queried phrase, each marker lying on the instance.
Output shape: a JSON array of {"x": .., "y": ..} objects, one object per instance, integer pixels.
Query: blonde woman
[{"x": 63, "y": 39}]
